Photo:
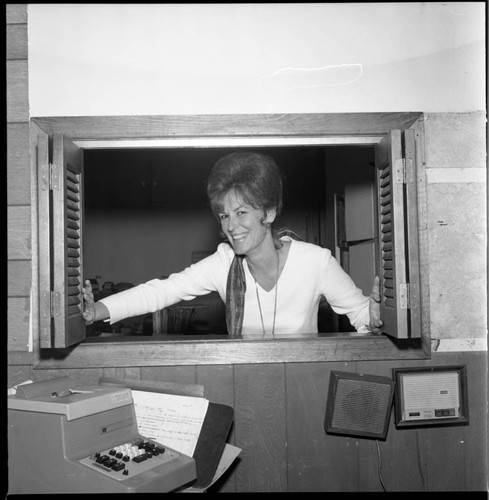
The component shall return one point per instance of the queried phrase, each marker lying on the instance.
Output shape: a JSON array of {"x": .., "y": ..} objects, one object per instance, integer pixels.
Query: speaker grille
[{"x": 359, "y": 404}]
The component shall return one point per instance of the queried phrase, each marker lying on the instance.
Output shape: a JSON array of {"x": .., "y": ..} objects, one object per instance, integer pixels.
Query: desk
[
  {"x": 174, "y": 319},
  {"x": 202, "y": 315}
]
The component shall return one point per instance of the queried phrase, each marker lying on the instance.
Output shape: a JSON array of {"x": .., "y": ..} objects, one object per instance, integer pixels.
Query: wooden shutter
[
  {"x": 392, "y": 244},
  {"x": 69, "y": 325},
  {"x": 61, "y": 258}
]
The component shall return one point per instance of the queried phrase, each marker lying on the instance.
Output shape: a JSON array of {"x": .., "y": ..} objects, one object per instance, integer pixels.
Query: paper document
[{"x": 174, "y": 421}]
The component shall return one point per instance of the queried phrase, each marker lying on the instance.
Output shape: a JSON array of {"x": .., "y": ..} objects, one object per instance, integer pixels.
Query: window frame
[{"x": 338, "y": 129}]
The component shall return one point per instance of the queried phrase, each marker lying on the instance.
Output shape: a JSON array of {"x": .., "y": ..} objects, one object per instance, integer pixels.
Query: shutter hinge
[
  {"x": 50, "y": 304},
  {"x": 45, "y": 178},
  {"x": 55, "y": 304},
  {"x": 404, "y": 171},
  {"x": 54, "y": 177},
  {"x": 405, "y": 296},
  {"x": 51, "y": 301},
  {"x": 399, "y": 170},
  {"x": 46, "y": 304},
  {"x": 49, "y": 177}
]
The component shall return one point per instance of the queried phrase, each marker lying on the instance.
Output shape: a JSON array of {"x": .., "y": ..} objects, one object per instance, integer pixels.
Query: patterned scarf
[{"x": 235, "y": 296}]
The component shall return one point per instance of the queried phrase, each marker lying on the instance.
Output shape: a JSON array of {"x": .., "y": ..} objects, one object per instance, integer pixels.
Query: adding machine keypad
[{"x": 129, "y": 458}]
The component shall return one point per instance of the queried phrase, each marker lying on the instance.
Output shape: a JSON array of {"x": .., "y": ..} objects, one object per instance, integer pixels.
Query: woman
[{"x": 271, "y": 283}]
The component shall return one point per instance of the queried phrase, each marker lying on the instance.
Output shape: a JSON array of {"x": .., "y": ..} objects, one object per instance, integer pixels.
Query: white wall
[{"x": 123, "y": 59}]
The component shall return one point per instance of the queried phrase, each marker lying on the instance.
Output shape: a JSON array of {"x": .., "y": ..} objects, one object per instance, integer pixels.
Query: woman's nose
[{"x": 231, "y": 222}]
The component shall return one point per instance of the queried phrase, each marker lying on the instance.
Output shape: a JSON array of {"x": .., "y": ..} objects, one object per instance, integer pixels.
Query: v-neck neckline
[{"x": 280, "y": 273}]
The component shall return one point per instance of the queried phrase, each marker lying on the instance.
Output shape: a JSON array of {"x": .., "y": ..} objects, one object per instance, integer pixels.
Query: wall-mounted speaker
[{"x": 359, "y": 404}]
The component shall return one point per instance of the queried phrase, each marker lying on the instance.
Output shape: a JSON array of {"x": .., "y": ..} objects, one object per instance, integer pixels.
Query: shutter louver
[
  {"x": 385, "y": 200},
  {"x": 73, "y": 221}
]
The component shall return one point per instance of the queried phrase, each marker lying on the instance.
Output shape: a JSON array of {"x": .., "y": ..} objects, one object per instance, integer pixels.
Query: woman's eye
[{"x": 222, "y": 216}]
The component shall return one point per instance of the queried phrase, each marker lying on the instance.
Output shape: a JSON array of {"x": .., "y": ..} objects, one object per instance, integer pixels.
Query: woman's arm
[{"x": 201, "y": 278}]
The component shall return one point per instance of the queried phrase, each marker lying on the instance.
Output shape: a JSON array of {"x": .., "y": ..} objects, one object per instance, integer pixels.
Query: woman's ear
[{"x": 270, "y": 215}]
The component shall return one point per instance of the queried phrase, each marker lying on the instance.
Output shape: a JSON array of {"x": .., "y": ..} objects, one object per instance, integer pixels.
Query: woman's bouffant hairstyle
[{"x": 254, "y": 177}]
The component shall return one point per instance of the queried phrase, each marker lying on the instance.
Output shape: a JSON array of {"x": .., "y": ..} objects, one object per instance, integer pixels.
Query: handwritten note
[{"x": 174, "y": 421}]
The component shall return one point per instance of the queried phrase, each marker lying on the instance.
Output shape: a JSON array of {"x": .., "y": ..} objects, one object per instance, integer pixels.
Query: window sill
[{"x": 224, "y": 350}]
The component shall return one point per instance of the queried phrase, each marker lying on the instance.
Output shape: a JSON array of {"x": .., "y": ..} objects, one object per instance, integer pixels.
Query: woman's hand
[
  {"x": 374, "y": 306},
  {"x": 89, "y": 303}
]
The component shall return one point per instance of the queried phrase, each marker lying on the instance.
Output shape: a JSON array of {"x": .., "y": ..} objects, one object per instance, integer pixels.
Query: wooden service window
[{"x": 64, "y": 145}]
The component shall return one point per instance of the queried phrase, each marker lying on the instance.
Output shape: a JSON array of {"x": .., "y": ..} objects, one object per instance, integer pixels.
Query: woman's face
[{"x": 243, "y": 225}]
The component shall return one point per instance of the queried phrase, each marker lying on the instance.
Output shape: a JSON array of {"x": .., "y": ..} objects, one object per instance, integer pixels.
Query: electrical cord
[
  {"x": 380, "y": 466},
  {"x": 420, "y": 465}
]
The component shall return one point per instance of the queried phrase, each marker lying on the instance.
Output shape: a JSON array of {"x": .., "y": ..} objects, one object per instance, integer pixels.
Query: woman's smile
[{"x": 238, "y": 238}]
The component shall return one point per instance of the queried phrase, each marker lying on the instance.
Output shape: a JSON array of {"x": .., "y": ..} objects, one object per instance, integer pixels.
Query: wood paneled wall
[
  {"x": 279, "y": 419},
  {"x": 19, "y": 247}
]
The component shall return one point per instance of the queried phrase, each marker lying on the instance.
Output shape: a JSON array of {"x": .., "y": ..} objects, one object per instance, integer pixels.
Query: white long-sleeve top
[{"x": 309, "y": 272}]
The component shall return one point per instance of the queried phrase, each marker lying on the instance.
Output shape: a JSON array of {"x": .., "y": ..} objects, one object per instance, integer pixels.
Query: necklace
[{"x": 275, "y": 304}]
